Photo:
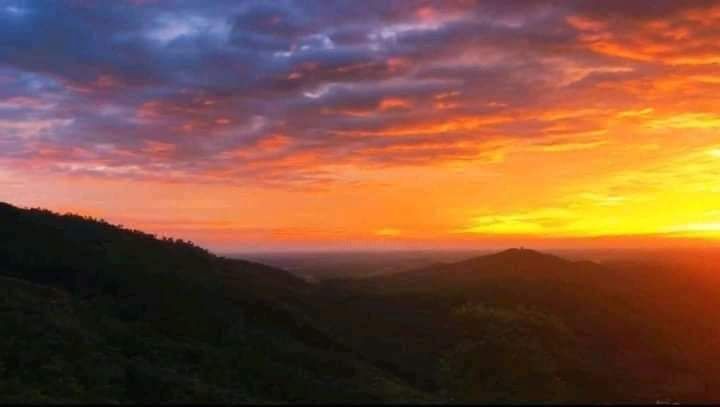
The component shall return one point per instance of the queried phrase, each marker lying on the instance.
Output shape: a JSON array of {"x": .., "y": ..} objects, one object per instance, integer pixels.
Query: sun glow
[{"x": 418, "y": 125}]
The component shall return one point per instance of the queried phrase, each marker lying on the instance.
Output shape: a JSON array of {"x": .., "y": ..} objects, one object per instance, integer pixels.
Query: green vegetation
[
  {"x": 521, "y": 326},
  {"x": 91, "y": 312},
  {"x": 502, "y": 350}
]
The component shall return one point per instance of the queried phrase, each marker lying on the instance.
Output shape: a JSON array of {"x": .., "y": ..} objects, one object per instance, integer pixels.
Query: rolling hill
[
  {"x": 94, "y": 312},
  {"x": 521, "y": 325}
]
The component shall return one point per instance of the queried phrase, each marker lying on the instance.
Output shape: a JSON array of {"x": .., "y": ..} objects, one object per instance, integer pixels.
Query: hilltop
[
  {"x": 93, "y": 312},
  {"x": 96, "y": 312},
  {"x": 522, "y": 325}
]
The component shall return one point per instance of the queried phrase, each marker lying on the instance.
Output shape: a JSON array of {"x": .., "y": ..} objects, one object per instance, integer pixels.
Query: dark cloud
[{"x": 133, "y": 88}]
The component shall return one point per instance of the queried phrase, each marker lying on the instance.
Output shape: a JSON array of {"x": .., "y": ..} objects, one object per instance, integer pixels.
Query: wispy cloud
[{"x": 313, "y": 95}]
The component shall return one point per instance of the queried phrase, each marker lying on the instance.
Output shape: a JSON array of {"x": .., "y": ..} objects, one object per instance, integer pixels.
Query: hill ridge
[{"x": 170, "y": 320}]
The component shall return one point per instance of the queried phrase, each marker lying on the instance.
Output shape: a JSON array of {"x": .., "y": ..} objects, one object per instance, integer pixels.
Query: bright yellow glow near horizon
[{"x": 594, "y": 131}]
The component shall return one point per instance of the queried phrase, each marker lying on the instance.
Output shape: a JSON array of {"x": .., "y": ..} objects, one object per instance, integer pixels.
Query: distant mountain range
[{"x": 96, "y": 313}]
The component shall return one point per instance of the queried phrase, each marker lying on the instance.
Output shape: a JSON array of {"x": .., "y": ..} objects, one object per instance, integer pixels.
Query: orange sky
[{"x": 561, "y": 127}]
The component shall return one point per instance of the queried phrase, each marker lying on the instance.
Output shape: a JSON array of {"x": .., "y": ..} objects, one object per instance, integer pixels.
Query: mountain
[
  {"x": 95, "y": 312},
  {"x": 521, "y": 325},
  {"x": 511, "y": 263}
]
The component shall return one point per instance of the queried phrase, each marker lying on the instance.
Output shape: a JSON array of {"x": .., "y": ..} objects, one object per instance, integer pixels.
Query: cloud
[
  {"x": 666, "y": 33},
  {"x": 670, "y": 197},
  {"x": 249, "y": 91},
  {"x": 531, "y": 222},
  {"x": 688, "y": 121}
]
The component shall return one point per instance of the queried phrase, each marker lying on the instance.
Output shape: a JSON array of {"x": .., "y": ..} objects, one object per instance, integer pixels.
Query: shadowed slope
[
  {"x": 131, "y": 317},
  {"x": 93, "y": 312},
  {"x": 584, "y": 331}
]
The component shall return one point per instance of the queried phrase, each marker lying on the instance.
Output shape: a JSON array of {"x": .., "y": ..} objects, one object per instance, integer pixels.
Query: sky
[{"x": 245, "y": 125}]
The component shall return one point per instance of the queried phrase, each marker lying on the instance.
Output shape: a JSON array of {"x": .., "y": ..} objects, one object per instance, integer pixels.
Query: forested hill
[
  {"x": 92, "y": 312},
  {"x": 520, "y": 325},
  {"x": 96, "y": 312}
]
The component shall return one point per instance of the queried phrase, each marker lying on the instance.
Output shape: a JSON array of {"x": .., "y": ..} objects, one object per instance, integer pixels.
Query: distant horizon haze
[{"x": 448, "y": 242}]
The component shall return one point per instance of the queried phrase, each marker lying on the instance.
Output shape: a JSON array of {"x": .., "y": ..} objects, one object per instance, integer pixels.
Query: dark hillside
[
  {"x": 583, "y": 331},
  {"x": 93, "y": 312}
]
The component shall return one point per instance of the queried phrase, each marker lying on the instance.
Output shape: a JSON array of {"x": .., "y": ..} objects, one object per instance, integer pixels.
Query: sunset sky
[{"x": 356, "y": 124}]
